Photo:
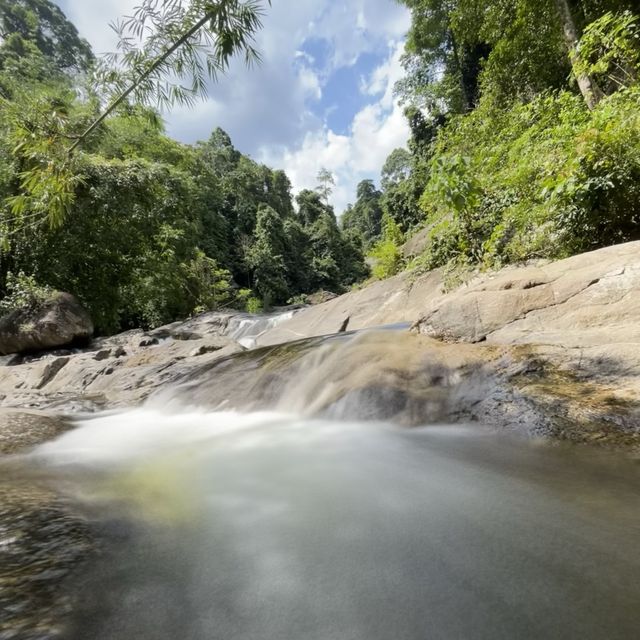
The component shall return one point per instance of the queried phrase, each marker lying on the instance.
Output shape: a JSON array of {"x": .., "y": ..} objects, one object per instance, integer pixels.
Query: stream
[{"x": 276, "y": 525}]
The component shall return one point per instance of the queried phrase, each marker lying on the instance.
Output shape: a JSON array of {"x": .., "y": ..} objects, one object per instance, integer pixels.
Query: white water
[
  {"x": 247, "y": 329},
  {"x": 273, "y": 526}
]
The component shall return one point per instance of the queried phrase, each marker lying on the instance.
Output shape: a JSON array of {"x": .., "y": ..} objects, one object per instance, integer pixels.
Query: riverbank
[{"x": 547, "y": 350}]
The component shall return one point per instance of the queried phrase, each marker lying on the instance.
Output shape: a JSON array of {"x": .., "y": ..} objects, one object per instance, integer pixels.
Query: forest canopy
[{"x": 141, "y": 228}]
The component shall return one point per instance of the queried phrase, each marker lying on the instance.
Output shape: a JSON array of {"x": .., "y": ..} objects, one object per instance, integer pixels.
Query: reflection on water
[{"x": 231, "y": 526}]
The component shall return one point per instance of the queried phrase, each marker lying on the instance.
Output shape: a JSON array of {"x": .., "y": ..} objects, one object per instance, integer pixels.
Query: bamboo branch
[{"x": 159, "y": 60}]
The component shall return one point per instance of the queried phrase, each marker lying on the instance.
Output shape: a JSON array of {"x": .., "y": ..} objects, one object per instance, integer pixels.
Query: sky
[{"x": 322, "y": 96}]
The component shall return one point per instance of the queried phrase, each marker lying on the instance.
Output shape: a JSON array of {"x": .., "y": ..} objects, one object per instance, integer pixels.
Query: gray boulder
[{"x": 58, "y": 321}]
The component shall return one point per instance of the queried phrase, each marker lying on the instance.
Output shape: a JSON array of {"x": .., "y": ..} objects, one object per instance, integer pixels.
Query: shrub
[
  {"x": 23, "y": 292},
  {"x": 543, "y": 179},
  {"x": 386, "y": 253}
]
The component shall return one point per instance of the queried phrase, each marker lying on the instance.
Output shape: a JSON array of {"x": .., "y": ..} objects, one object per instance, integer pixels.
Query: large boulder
[
  {"x": 58, "y": 321},
  {"x": 586, "y": 300}
]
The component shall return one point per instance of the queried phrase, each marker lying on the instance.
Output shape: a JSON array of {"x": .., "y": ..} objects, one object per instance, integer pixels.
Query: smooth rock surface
[
  {"x": 586, "y": 300},
  {"x": 399, "y": 299}
]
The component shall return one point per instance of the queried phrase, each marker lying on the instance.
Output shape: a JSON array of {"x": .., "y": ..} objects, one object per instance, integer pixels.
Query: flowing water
[
  {"x": 278, "y": 525},
  {"x": 246, "y": 328}
]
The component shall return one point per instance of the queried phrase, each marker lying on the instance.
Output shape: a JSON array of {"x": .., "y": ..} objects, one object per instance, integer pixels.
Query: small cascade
[{"x": 247, "y": 328}]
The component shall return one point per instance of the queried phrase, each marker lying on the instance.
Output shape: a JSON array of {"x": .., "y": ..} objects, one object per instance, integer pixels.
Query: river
[{"x": 279, "y": 525}]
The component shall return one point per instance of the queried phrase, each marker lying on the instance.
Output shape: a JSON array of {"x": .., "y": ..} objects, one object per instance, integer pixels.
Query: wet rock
[
  {"x": 148, "y": 342},
  {"x": 186, "y": 335},
  {"x": 103, "y": 354},
  {"x": 204, "y": 348},
  {"x": 22, "y": 429},
  {"x": 395, "y": 300}
]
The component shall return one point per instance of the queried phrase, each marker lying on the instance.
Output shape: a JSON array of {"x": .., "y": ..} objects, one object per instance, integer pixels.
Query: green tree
[
  {"x": 167, "y": 50},
  {"x": 326, "y": 182},
  {"x": 266, "y": 257},
  {"x": 366, "y": 214},
  {"x": 311, "y": 207},
  {"x": 43, "y": 24}
]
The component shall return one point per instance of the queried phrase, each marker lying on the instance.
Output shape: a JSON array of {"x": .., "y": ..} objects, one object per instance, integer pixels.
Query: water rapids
[{"x": 235, "y": 526}]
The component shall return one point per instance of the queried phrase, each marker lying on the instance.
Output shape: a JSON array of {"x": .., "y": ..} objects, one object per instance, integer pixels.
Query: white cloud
[
  {"x": 376, "y": 130},
  {"x": 275, "y": 110},
  {"x": 92, "y": 19}
]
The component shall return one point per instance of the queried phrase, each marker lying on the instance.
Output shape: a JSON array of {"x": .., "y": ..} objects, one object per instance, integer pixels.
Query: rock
[
  {"x": 416, "y": 244},
  {"x": 58, "y": 321},
  {"x": 344, "y": 325},
  {"x": 148, "y": 342},
  {"x": 23, "y": 429},
  {"x": 186, "y": 335},
  {"x": 103, "y": 354},
  {"x": 119, "y": 352},
  {"x": 321, "y": 296},
  {"x": 587, "y": 300},
  {"x": 399, "y": 299},
  {"x": 204, "y": 348},
  {"x": 557, "y": 353},
  {"x": 51, "y": 370}
]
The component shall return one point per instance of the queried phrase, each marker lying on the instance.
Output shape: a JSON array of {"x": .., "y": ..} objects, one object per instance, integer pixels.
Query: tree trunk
[
  {"x": 456, "y": 56},
  {"x": 589, "y": 89}
]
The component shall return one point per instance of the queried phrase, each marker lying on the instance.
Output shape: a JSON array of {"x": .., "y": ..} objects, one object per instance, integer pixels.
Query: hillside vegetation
[
  {"x": 143, "y": 229},
  {"x": 525, "y": 120},
  {"x": 525, "y": 143}
]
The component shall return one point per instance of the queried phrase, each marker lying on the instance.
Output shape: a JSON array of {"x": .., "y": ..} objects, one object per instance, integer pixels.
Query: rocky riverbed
[{"x": 548, "y": 351}]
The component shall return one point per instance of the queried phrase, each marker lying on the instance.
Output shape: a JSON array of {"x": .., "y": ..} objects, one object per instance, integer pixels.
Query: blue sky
[{"x": 321, "y": 97}]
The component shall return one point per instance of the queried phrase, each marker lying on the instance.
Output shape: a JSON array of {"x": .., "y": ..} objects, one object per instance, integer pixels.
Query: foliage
[
  {"x": 42, "y": 24},
  {"x": 22, "y": 292},
  {"x": 200, "y": 36},
  {"x": 266, "y": 257},
  {"x": 326, "y": 182},
  {"x": 365, "y": 217},
  {"x": 525, "y": 131},
  {"x": 143, "y": 229},
  {"x": 610, "y": 50},
  {"x": 558, "y": 179},
  {"x": 161, "y": 46},
  {"x": 253, "y": 305},
  {"x": 386, "y": 253}
]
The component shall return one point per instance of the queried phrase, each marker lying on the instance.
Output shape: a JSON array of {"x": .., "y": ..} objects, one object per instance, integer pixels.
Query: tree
[
  {"x": 166, "y": 52},
  {"x": 266, "y": 258},
  {"x": 310, "y": 207},
  {"x": 366, "y": 215},
  {"x": 43, "y": 23},
  {"x": 153, "y": 229},
  {"x": 589, "y": 89},
  {"x": 458, "y": 49},
  {"x": 326, "y": 182}
]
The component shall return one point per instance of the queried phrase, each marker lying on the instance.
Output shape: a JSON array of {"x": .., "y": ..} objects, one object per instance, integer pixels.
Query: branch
[{"x": 154, "y": 65}]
